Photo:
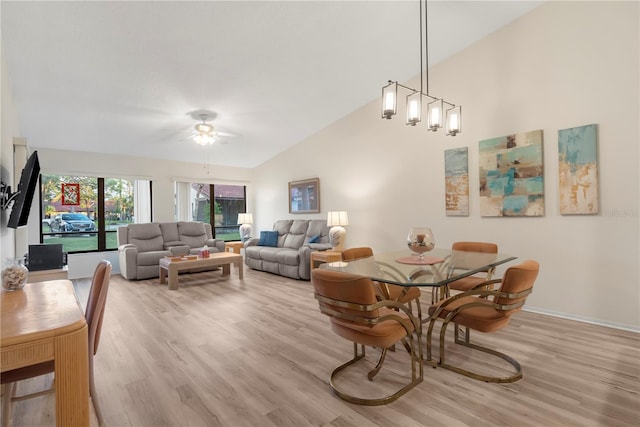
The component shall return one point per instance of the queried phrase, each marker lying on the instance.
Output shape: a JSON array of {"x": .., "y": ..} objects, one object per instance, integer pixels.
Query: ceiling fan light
[
  {"x": 204, "y": 127},
  {"x": 203, "y": 139}
]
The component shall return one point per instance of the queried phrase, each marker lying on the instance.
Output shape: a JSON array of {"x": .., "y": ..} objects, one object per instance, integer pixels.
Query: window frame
[{"x": 101, "y": 232}]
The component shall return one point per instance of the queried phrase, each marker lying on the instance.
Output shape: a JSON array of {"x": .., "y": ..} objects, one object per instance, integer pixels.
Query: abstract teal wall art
[
  {"x": 578, "y": 170},
  {"x": 456, "y": 175},
  {"x": 511, "y": 175}
]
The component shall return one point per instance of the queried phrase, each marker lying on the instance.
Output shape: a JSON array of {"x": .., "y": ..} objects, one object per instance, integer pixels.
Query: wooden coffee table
[{"x": 219, "y": 259}]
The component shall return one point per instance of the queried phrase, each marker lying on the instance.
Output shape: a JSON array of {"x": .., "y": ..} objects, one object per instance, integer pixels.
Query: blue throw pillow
[
  {"x": 268, "y": 238},
  {"x": 315, "y": 239}
]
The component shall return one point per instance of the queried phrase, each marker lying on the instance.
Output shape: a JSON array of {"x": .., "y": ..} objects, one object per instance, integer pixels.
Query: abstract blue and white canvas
[{"x": 511, "y": 175}]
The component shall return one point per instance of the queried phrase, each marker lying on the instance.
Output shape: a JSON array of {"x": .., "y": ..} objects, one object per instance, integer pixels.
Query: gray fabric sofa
[
  {"x": 292, "y": 256},
  {"x": 141, "y": 246}
]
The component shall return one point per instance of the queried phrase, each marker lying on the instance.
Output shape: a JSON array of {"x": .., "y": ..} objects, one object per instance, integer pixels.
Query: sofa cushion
[
  {"x": 169, "y": 232},
  {"x": 318, "y": 227},
  {"x": 268, "y": 238},
  {"x": 288, "y": 257},
  {"x": 297, "y": 233},
  {"x": 282, "y": 226},
  {"x": 146, "y": 237},
  {"x": 192, "y": 234},
  {"x": 151, "y": 257}
]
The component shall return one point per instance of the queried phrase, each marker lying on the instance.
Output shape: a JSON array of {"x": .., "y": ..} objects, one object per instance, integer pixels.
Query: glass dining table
[{"x": 435, "y": 269}]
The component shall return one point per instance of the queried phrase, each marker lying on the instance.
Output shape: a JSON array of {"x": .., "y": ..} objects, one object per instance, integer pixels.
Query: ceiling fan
[{"x": 204, "y": 132}]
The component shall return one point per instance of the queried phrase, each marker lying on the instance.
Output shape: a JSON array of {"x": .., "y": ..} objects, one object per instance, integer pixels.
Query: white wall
[
  {"x": 565, "y": 64},
  {"x": 8, "y": 130}
]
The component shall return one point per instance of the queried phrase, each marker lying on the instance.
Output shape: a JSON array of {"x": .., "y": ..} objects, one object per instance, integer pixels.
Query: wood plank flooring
[{"x": 225, "y": 352}]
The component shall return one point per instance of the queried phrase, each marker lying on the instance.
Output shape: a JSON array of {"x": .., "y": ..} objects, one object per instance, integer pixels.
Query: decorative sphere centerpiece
[{"x": 420, "y": 240}]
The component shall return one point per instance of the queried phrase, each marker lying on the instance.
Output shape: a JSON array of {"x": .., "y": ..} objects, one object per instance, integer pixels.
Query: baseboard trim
[{"x": 582, "y": 319}]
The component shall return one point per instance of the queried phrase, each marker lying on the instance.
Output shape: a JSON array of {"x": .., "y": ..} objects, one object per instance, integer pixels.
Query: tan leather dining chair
[
  {"x": 470, "y": 282},
  {"x": 356, "y": 314},
  {"x": 94, "y": 313},
  {"x": 484, "y": 311},
  {"x": 402, "y": 294}
]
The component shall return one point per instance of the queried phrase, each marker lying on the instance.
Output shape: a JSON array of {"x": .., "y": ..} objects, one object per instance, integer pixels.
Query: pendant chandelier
[{"x": 439, "y": 112}]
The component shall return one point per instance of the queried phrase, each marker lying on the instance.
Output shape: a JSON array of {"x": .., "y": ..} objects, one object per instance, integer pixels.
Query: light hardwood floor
[{"x": 225, "y": 352}]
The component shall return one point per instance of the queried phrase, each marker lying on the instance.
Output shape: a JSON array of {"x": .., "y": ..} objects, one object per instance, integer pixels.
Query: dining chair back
[
  {"x": 405, "y": 295},
  {"x": 352, "y": 254},
  {"x": 457, "y": 261}
]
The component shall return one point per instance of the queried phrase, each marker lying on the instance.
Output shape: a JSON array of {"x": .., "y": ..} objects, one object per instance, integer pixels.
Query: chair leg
[
  {"x": 375, "y": 370},
  {"x": 93, "y": 394},
  {"x": 416, "y": 375},
  {"x": 466, "y": 343},
  {"x": 7, "y": 393}
]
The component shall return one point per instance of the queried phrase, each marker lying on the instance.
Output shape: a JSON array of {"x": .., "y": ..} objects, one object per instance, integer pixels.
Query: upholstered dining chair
[
  {"x": 489, "y": 313},
  {"x": 356, "y": 314},
  {"x": 470, "y": 282},
  {"x": 94, "y": 313},
  {"x": 403, "y": 294}
]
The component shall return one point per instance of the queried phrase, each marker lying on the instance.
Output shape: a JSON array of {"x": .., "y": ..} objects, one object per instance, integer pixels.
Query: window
[
  {"x": 84, "y": 213},
  {"x": 193, "y": 203}
]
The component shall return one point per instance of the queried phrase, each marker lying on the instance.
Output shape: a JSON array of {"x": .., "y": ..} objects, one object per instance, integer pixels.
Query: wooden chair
[
  {"x": 94, "y": 313},
  {"x": 403, "y": 294},
  {"x": 356, "y": 315},
  {"x": 485, "y": 311},
  {"x": 470, "y": 282}
]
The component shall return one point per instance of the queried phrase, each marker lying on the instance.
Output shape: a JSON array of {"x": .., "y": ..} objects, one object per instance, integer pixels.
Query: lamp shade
[
  {"x": 337, "y": 218},
  {"x": 245, "y": 218}
]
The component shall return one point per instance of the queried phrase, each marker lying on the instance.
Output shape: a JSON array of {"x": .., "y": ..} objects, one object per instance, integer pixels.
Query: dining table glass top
[{"x": 438, "y": 267}]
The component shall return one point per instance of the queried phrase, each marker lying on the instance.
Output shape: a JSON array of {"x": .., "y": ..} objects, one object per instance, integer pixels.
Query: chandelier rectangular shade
[
  {"x": 454, "y": 121},
  {"x": 389, "y": 100},
  {"x": 337, "y": 218},
  {"x": 414, "y": 108},
  {"x": 245, "y": 218},
  {"x": 434, "y": 115}
]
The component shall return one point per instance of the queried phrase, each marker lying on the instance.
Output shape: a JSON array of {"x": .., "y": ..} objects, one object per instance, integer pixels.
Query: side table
[
  {"x": 234, "y": 247},
  {"x": 318, "y": 257}
]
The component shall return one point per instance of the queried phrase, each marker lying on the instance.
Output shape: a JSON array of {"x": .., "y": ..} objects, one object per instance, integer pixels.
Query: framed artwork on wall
[
  {"x": 71, "y": 194},
  {"x": 578, "y": 170},
  {"x": 304, "y": 196},
  {"x": 511, "y": 175},
  {"x": 456, "y": 177}
]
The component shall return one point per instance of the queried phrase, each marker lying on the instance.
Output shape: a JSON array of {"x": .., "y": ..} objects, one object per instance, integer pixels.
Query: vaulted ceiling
[{"x": 125, "y": 76}]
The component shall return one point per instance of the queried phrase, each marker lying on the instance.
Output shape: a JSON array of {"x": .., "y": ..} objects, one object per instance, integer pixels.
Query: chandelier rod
[
  {"x": 426, "y": 39},
  {"x": 421, "y": 59}
]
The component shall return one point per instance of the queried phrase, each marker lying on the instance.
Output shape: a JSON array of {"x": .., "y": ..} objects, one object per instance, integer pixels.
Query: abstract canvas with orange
[
  {"x": 578, "y": 170},
  {"x": 456, "y": 176}
]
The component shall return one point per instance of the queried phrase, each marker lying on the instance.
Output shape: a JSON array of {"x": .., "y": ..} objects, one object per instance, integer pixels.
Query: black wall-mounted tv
[{"x": 26, "y": 189}]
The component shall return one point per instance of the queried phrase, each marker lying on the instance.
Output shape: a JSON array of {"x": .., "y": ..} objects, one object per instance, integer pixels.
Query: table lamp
[
  {"x": 246, "y": 219},
  {"x": 336, "y": 220}
]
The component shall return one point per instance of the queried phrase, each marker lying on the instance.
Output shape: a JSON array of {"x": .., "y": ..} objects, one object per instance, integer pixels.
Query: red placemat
[{"x": 415, "y": 260}]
